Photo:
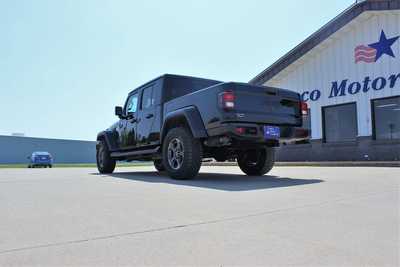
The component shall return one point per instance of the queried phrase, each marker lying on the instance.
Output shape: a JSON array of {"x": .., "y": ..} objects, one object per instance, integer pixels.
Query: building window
[
  {"x": 340, "y": 123},
  {"x": 386, "y": 118}
]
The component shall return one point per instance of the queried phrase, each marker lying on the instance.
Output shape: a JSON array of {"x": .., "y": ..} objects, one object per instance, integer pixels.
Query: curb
[{"x": 321, "y": 164}]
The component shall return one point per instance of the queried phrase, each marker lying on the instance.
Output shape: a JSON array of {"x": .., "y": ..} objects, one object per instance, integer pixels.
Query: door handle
[{"x": 148, "y": 116}]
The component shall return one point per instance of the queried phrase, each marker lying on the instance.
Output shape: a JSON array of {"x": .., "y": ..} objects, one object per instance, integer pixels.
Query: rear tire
[
  {"x": 182, "y": 154},
  {"x": 105, "y": 164},
  {"x": 257, "y": 162},
  {"x": 158, "y": 164}
]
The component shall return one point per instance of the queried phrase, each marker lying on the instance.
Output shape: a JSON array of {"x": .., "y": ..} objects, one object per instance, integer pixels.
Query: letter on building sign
[
  {"x": 304, "y": 96},
  {"x": 354, "y": 88},
  {"x": 393, "y": 78},
  {"x": 315, "y": 95},
  {"x": 366, "y": 84},
  {"x": 335, "y": 90},
  {"x": 381, "y": 84}
]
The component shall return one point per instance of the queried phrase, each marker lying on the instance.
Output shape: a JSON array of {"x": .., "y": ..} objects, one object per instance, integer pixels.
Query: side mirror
[
  {"x": 28, "y": 157},
  {"x": 119, "y": 111}
]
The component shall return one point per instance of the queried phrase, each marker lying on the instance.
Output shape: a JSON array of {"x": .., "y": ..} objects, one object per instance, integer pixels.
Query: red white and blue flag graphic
[
  {"x": 365, "y": 54},
  {"x": 372, "y": 52}
]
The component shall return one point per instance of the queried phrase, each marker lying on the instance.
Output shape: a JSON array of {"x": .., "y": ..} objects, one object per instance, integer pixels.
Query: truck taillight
[
  {"x": 303, "y": 108},
  {"x": 240, "y": 130},
  {"x": 227, "y": 100}
]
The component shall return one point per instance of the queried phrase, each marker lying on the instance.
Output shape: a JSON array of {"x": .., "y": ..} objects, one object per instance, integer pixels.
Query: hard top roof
[{"x": 167, "y": 75}]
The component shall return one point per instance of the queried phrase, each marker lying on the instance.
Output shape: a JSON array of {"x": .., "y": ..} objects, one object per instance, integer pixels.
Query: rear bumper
[
  {"x": 40, "y": 164},
  {"x": 256, "y": 134}
]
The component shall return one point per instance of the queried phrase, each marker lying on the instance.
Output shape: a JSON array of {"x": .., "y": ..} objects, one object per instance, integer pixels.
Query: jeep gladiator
[{"x": 177, "y": 121}]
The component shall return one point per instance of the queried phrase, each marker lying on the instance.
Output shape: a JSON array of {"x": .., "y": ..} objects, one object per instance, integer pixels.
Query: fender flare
[
  {"x": 106, "y": 136},
  {"x": 193, "y": 119}
]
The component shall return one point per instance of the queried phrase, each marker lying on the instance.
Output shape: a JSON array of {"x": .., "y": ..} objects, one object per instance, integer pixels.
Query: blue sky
[{"x": 64, "y": 65}]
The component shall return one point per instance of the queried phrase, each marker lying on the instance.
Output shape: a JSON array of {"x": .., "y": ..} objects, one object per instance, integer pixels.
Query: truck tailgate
[{"x": 266, "y": 105}]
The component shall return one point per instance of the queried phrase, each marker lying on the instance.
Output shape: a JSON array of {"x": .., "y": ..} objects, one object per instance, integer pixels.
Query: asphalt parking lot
[{"x": 293, "y": 216}]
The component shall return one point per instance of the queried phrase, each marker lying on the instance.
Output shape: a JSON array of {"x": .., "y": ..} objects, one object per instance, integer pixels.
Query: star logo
[
  {"x": 384, "y": 46},
  {"x": 372, "y": 52}
]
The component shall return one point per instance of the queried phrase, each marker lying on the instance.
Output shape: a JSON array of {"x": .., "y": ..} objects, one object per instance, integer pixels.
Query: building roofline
[{"x": 322, "y": 34}]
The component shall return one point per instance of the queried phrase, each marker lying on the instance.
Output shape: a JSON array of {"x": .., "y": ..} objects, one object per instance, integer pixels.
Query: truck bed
[{"x": 253, "y": 104}]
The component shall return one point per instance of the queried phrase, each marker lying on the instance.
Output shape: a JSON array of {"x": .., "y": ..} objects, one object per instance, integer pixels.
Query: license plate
[{"x": 272, "y": 132}]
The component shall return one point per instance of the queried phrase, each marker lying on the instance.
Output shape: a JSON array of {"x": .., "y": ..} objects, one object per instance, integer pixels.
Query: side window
[
  {"x": 131, "y": 104},
  {"x": 147, "y": 98}
]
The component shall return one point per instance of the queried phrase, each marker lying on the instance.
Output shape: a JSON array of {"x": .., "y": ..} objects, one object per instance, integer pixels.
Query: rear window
[
  {"x": 41, "y": 153},
  {"x": 179, "y": 86}
]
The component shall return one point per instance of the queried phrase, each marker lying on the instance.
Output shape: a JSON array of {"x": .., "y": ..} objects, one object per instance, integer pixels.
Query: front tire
[
  {"x": 105, "y": 164},
  {"x": 182, "y": 154},
  {"x": 257, "y": 162}
]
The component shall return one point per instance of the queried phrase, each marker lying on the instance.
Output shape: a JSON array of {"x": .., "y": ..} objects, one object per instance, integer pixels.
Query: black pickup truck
[{"x": 177, "y": 121}]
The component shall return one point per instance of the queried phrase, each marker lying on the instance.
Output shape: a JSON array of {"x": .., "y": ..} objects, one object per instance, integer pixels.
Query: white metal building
[{"x": 349, "y": 74}]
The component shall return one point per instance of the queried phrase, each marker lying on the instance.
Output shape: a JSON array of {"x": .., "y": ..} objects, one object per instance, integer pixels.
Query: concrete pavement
[{"x": 293, "y": 216}]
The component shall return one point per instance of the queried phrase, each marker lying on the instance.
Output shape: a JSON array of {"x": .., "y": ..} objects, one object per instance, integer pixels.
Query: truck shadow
[{"x": 218, "y": 181}]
